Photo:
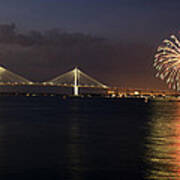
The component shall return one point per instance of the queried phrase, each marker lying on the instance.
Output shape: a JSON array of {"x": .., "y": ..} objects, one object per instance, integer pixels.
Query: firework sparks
[{"x": 167, "y": 62}]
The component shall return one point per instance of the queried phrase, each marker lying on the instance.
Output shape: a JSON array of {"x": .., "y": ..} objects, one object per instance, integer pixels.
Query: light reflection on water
[{"x": 163, "y": 142}]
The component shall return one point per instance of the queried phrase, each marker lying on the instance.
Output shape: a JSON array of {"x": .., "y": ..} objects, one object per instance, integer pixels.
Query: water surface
[{"x": 78, "y": 139}]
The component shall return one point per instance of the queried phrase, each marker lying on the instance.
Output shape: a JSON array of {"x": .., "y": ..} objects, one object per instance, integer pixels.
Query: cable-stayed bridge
[{"x": 74, "y": 78}]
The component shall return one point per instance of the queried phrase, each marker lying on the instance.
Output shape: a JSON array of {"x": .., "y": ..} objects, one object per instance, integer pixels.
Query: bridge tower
[{"x": 76, "y": 88}]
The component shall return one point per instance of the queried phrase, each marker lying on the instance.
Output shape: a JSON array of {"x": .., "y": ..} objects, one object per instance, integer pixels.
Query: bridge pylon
[{"x": 76, "y": 88}]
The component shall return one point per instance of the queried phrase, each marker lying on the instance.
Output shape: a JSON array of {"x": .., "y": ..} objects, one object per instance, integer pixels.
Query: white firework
[{"x": 167, "y": 62}]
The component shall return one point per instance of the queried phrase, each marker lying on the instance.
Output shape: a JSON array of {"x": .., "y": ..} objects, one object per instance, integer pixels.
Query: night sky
[{"x": 112, "y": 40}]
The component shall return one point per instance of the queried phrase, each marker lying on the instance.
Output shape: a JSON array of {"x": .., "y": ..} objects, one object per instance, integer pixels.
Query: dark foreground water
[{"x": 55, "y": 139}]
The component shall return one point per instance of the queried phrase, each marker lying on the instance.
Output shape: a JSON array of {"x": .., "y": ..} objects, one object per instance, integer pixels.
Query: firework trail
[{"x": 167, "y": 62}]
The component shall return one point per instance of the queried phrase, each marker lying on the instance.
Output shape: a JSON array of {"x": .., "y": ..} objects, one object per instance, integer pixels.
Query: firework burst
[{"x": 167, "y": 62}]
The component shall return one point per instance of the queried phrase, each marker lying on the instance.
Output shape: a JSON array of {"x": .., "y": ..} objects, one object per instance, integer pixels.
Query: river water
[{"x": 88, "y": 139}]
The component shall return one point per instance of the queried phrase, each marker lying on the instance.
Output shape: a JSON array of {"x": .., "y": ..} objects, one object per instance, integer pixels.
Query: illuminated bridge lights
[{"x": 76, "y": 79}]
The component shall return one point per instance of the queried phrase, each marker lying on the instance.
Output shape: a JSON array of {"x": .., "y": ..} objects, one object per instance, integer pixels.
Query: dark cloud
[{"x": 43, "y": 55}]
